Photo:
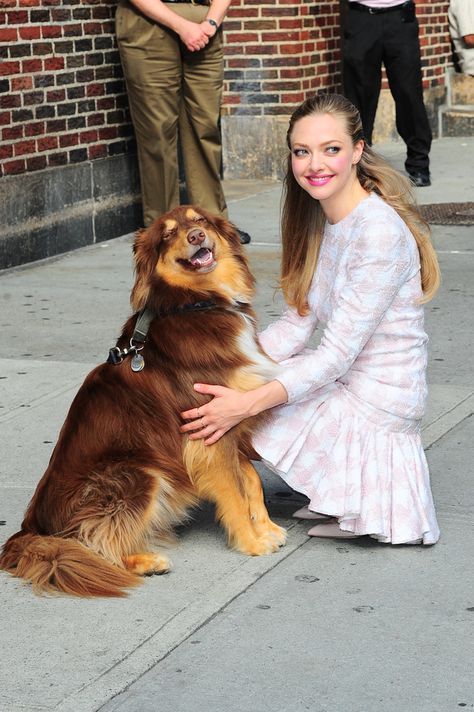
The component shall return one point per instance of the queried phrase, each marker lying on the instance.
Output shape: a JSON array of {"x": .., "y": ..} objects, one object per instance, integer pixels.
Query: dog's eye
[
  {"x": 199, "y": 219},
  {"x": 167, "y": 234}
]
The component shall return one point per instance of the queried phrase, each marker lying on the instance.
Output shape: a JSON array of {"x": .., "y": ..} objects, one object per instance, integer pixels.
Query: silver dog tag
[{"x": 138, "y": 363}]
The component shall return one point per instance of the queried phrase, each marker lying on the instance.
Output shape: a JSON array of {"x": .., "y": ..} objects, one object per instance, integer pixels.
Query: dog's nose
[{"x": 196, "y": 236}]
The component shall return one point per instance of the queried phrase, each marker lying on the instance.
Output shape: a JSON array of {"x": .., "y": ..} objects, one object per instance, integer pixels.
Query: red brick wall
[
  {"x": 435, "y": 41},
  {"x": 278, "y": 52},
  {"x": 62, "y": 99}
]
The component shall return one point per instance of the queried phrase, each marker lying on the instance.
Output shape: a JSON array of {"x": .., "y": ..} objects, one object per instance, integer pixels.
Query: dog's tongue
[{"x": 201, "y": 257}]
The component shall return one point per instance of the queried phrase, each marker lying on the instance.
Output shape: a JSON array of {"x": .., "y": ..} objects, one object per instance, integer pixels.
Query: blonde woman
[{"x": 345, "y": 417}]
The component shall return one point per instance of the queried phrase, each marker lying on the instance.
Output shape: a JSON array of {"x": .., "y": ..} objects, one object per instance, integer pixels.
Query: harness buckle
[
  {"x": 134, "y": 348},
  {"x": 115, "y": 356}
]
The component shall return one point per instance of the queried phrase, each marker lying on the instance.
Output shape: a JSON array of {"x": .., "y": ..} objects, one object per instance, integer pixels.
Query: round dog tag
[{"x": 138, "y": 363}]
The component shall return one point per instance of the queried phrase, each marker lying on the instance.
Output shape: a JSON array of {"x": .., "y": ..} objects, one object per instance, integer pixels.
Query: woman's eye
[
  {"x": 333, "y": 149},
  {"x": 299, "y": 152}
]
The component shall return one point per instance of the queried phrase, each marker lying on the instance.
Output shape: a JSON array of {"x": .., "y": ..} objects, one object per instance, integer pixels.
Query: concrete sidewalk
[{"x": 322, "y": 625}]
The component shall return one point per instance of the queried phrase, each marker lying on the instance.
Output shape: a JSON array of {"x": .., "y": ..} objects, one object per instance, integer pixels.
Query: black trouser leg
[
  {"x": 362, "y": 65},
  {"x": 403, "y": 66}
]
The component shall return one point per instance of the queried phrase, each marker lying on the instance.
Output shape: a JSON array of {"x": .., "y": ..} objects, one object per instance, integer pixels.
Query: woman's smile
[{"x": 319, "y": 180}]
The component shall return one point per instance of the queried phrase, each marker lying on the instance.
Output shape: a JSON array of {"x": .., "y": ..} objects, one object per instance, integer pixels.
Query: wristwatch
[{"x": 212, "y": 22}]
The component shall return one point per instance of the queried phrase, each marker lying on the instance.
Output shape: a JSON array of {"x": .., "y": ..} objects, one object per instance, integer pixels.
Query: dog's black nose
[{"x": 196, "y": 236}]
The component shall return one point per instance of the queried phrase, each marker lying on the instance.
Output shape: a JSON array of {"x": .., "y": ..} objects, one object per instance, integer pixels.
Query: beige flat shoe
[
  {"x": 305, "y": 513},
  {"x": 331, "y": 531}
]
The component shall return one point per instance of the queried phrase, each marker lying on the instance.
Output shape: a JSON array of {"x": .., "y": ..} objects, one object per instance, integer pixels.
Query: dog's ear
[{"x": 145, "y": 250}]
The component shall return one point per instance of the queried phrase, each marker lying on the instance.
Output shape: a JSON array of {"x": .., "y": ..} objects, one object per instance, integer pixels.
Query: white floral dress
[{"x": 349, "y": 436}]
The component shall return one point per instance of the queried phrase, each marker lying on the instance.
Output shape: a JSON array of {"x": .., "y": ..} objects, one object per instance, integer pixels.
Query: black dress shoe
[
  {"x": 420, "y": 180},
  {"x": 244, "y": 237}
]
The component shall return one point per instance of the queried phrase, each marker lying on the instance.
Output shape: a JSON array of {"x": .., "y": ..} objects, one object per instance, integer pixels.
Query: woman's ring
[{"x": 199, "y": 414}]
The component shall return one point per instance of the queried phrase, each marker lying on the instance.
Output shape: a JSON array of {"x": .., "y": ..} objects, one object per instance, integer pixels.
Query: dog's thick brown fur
[{"x": 122, "y": 473}]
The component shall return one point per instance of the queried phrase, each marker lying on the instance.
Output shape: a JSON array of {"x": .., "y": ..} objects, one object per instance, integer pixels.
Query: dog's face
[
  {"x": 190, "y": 242},
  {"x": 190, "y": 249}
]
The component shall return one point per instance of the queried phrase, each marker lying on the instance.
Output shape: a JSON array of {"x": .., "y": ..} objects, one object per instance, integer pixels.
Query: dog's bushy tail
[{"x": 56, "y": 565}]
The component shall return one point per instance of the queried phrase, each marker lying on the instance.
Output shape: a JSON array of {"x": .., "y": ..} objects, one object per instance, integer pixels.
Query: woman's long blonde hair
[{"x": 303, "y": 218}]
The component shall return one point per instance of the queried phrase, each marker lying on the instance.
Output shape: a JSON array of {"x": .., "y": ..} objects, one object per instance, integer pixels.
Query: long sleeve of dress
[
  {"x": 288, "y": 335},
  {"x": 378, "y": 263}
]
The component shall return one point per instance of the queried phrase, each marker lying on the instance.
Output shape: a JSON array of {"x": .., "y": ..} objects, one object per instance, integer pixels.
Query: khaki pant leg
[
  {"x": 151, "y": 60},
  {"x": 203, "y": 74}
]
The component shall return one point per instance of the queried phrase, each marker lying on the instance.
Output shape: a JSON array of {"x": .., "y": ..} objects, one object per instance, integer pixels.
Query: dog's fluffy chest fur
[{"x": 261, "y": 365}]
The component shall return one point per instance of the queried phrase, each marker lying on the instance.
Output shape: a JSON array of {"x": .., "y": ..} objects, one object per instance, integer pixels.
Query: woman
[{"x": 345, "y": 425}]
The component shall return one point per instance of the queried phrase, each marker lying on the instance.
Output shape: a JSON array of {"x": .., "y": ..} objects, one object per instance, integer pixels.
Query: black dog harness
[
  {"x": 145, "y": 317},
  {"x": 137, "y": 342}
]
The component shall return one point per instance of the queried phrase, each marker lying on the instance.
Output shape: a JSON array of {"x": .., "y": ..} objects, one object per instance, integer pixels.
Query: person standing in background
[
  {"x": 173, "y": 63},
  {"x": 386, "y": 31},
  {"x": 461, "y": 27}
]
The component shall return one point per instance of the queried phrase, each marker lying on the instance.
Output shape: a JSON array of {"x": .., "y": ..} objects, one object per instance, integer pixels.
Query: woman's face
[{"x": 323, "y": 157}]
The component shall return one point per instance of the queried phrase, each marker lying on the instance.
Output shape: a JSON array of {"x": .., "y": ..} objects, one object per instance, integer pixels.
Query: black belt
[
  {"x": 189, "y": 2},
  {"x": 377, "y": 10}
]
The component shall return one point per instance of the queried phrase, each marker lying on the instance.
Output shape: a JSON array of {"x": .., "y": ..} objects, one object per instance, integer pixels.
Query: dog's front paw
[
  {"x": 147, "y": 564},
  {"x": 279, "y": 534},
  {"x": 268, "y": 529},
  {"x": 260, "y": 546}
]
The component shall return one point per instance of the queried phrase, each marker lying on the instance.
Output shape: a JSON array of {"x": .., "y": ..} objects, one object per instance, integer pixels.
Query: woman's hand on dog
[
  {"x": 212, "y": 420},
  {"x": 228, "y": 408}
]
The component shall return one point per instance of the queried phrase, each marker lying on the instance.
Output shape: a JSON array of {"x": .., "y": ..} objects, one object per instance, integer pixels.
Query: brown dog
[{"x": 122, "y": 474}]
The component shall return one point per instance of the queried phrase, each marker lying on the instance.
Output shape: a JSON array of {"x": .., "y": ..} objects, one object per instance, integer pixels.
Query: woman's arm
[
  {"x": 289, "y": 335},
  {"x": 380, "y": 262}
]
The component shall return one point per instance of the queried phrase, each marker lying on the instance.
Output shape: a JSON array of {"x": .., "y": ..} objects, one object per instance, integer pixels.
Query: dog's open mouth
[{"x": 203, "y": 260}]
